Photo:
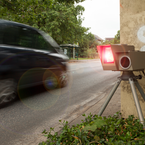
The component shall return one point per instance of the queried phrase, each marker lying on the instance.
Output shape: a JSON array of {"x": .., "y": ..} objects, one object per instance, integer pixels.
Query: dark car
[{"x": 28, "y": 57}]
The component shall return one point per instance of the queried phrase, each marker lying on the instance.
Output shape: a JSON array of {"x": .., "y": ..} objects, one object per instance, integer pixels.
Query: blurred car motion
[{"x": 28, "y": 57}]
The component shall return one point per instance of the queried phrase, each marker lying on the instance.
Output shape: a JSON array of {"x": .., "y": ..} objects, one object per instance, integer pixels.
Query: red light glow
[{"x": 108, "y": 55}]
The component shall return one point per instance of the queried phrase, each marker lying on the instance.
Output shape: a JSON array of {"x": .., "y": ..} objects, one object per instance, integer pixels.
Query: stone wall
[{"x": 132, "y": 31}]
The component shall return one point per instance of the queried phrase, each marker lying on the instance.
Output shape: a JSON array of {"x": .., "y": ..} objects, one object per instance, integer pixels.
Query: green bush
[
  {"x": 88, "y": 53},
  {"x": 91, "y": 53},
  {"x": 97, "y": 130}
]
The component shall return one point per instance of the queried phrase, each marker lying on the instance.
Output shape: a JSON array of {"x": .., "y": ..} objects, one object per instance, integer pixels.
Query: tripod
[{"x": 127, "y": 76}]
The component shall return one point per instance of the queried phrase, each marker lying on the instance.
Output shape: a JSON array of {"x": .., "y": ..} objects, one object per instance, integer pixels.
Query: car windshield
[{"x": 49, "y": 39}]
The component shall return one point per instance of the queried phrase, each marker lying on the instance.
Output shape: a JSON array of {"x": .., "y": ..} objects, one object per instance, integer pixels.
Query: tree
[
  {"x": 70, "y": 1},
  {"x": 88, "y": 41},
  {"x": 116, "y": 39},
  {"x": 87, "y": 45},
  {"x": 60, "y": 18}
]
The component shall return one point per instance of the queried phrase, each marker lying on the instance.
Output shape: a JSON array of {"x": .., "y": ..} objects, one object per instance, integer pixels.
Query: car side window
[
  {"x": 32, "y": 39},
  {"x": 23, "y": 37},
  {"x": 9, "y": 35},
  {"x": 26, "y": 38},
  {"x": 41, "y": 43},
  {"x": 1, "y": 34}
]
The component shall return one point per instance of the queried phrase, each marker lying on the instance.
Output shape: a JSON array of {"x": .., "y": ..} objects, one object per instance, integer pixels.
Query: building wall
[{"x": 132, "y": 31}]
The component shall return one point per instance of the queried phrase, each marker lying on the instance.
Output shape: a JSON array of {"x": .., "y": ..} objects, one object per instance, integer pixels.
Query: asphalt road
[{"x": 22, "y": 121}]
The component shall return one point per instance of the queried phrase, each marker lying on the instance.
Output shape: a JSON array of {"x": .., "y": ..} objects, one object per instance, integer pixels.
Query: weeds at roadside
[{"x": 97, "y": 130}]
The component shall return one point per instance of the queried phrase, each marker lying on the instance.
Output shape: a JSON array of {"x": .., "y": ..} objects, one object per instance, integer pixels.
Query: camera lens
[{"x": 125, "y": 62}]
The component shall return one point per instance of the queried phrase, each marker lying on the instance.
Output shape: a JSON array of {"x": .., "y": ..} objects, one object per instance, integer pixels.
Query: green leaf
[
  {"x": 97, "y": 124},
  {"x": 97, "y": 138}
]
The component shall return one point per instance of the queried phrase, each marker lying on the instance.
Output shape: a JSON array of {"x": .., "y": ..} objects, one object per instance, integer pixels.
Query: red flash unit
[
  {"x": 108, "y": 55},
  {"x": 105, "y": 52}
]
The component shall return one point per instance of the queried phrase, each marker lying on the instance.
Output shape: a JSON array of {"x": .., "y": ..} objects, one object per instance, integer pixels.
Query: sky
[{"x": 102, "y": 17}]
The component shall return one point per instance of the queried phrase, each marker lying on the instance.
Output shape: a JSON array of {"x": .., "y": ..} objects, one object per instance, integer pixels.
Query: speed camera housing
[{"x": 121, "y": 57}]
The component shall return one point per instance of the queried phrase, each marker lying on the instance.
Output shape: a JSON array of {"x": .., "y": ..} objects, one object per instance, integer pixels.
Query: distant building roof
[
  {"x": 97, "y": 37},
  {"x": 109, "y": 39}
]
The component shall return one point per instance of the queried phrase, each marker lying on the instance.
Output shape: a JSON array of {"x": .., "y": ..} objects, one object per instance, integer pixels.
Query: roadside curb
[
  {"x": 86, "y": 60},
  {"x": 94, "y": 107},
  {"x": 74, "y": 117},
  {"x": 113, "y": 107}
]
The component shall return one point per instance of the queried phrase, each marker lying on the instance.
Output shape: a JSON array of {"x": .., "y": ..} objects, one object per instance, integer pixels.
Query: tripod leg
[
  {"x": 140, "y": 89},
  {"x": 136, "y": 102},
  {"x": 109, "y": 97}
]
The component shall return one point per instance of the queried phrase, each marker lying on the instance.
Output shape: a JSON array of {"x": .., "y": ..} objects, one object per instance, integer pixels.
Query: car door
[
  {"x": 13, "y": 56},
  {"x": 35, "y": 55},
  {"x": 27, "y": 57},
  {"x": 43, "y": 60}
]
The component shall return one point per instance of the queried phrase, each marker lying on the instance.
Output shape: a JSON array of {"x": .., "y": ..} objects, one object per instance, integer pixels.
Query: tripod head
[{"x": 129, "y": 74}]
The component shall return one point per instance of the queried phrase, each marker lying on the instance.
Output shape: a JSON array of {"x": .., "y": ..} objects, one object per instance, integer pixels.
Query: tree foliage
[
  {"x": 88, "y": 46},
  {"x": 70, "y": 1},
  {"x": 88, "y": 40},
  {"x": 116, "y": 39},
  {"x": 60, "y": 18}
]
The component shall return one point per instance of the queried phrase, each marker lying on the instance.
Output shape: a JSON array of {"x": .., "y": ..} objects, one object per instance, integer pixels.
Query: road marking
[{"x": 75, "y": 62}]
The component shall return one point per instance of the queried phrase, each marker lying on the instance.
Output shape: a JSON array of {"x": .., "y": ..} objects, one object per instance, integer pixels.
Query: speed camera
[{"x": 121, "y": 57}]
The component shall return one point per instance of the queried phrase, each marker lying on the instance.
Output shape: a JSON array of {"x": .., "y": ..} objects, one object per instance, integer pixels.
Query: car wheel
[
  {"x": 8, "y": 91},
  {"x": 63, "y": 79}
]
